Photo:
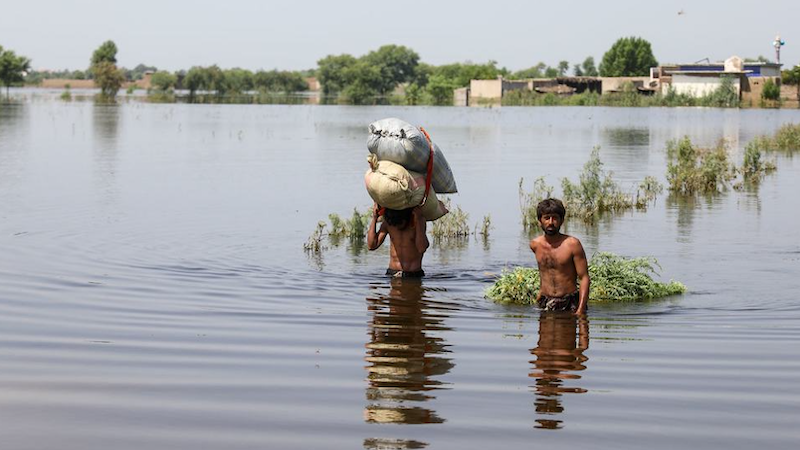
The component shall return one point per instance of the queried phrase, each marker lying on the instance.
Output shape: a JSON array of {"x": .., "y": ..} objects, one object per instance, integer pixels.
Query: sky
[{"x": 286, "y": 35}]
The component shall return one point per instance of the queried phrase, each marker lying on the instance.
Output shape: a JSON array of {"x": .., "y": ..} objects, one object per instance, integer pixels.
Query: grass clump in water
[
  {"x": 354, "y": 229},
  {"x": 754, "y": 167},
  {"x": 453, "y": 225},
  {"x": 595, "y": 193},
  {"x": 695, "y": 170},
  {"x": 614, "y": 278},
  {"x": 786, "y": 139}
]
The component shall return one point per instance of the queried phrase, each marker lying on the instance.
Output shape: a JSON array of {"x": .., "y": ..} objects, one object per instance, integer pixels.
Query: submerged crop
[{"x": 614, "y": 278}]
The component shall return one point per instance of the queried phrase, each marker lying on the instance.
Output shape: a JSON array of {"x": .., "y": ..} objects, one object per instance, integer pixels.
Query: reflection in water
[
  {"x": 558, "y": 355},
  {"x": 392, "y": 444},
  {"x": 626, "y": 137},
  {"x": 403, "y": 356},
  {"x": 105, "y": 124}
]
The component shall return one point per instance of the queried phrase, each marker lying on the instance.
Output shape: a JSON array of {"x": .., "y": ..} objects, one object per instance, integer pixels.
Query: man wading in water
[
  {"x": 406, "y": 230},
  {"x": 561, "y": 261}
]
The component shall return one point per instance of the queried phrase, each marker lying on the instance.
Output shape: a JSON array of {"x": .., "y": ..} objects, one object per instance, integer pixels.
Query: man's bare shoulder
[
  {"x": 574, "y": 243},
  {"x": 536, "y": 241}
]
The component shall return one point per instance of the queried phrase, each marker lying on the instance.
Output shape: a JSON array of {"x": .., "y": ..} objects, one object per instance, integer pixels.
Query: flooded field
[{"x": 154, "y": 291}]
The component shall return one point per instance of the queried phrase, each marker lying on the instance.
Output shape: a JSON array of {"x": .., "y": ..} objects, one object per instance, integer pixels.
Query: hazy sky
[{"x": 293, "y": 35}]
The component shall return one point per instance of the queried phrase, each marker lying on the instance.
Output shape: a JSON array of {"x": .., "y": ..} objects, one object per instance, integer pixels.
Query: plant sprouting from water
[
  {"x": 786, "y": 139},
  {"x": 453, "y": 225},
  {"x": 614, "y": 278},
  {"x": 691, "y": 169},
  {"x": 595, "y": 193},
  {"x": 484, "y": 227},
  {"x": 528, "y": 201},
  {"x": 314, "y": 243}
]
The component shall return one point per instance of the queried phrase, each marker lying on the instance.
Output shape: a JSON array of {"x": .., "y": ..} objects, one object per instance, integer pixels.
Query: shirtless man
[
  {"x": 561, "y": 261},
  {"x": 406, "y": 230}
]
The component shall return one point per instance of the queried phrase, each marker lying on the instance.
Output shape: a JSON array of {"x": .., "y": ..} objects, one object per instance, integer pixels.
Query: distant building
[{"x": 699, "y": 80}]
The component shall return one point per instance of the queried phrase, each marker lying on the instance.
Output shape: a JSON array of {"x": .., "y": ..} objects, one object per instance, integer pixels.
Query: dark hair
[
  {"x": 550, "y": 206},
  {"x": 399, "y": 218}
]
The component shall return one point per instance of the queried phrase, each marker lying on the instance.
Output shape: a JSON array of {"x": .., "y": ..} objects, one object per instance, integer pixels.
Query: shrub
[
  {"x": 693, "y": 170},
  {"x": 771, "y": 91}
]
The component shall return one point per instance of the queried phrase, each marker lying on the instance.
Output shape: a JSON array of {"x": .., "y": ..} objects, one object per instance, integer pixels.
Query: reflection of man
[
  {"x": 561, "y": 261},
  {"x": 400, "y": 354},
  {"x": 558, "y": 355}
]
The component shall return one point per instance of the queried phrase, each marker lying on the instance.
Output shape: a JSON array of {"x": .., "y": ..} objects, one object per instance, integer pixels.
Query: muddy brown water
[{"x": 154, "y": 292}]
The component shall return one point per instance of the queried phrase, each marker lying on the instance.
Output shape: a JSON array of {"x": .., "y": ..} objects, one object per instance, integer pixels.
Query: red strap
[{"x": 429, "y": 176}]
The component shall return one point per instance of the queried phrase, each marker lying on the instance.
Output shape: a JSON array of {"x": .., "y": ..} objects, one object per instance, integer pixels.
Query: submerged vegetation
[
  {"x": 786, "y": 139},
  {"x": 595, "y": 193},
  {"x": 696, "y": 170},
  {"x": 354, "y": 229},
  {"x": 614, "y": 278},
  {"x": 452, "y": 228}
]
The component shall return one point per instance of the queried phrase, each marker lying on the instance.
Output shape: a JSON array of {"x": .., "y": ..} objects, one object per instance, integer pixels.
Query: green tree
[
  {"x": 331, "y": 72},
  {"x": 588, "y": 68},
  {"x": 196, "y": 79},
  {"x": 12, "y": 68},
  {"x": 536, "y": 71},
  {"x": 107, "y": 52},
  {"x": 563, "y": 67},
  {"x": 550, "y": 72},
  {"x": 362, "y": 83},
  {"x": 283, "y": 81},
  {"x": 104, "y": 70},
  {"x": 441, "y": 89},
  {"x": 217, "y": 82},
  {"x": 108, "y": 78},
  {"x": 397, "y": 64},
  {"x": 163, "y": 80},
  {"x": 238, "y": 80},
  {"x": 628, "y": 57}
]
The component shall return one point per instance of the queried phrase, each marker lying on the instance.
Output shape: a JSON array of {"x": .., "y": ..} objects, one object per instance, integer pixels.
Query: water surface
[{"x": 154, "y": 292}]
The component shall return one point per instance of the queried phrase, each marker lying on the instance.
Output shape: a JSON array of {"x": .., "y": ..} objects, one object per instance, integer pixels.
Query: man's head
[
  {"x": 550, "y": 213},
  {"x": 399, "y": 218}
]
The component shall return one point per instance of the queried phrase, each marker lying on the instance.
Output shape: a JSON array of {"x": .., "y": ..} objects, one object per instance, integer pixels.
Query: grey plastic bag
[{"x": 402, "y": 143}]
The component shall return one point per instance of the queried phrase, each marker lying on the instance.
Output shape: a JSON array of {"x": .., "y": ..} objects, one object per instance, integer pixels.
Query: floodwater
[{"x": 154, "y": 291}]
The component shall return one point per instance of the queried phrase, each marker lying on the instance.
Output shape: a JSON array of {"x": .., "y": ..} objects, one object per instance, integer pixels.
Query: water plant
[
  {"x": 692, "y": 169},
  {"x": 314, "y": 243},
  {"x": 66, "y": 95},
  {"x": 453, "y": 225},
  {"x": 485, "y": 226},
  {"x": 595, "y": 193},
  {"x": 353, "y": 228},
  {"x": 753, "y": 166},
  {"x": 529, "y": 200},
  {"x": 614, "y": 278},
  {"x": 786, "y": 139}
]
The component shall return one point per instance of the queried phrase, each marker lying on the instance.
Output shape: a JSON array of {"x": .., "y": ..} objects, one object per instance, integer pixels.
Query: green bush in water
[
  {"x": 695, "y": 170},
  {"x": 614, "y": 278},
  {"x": 786, "y": 139}
]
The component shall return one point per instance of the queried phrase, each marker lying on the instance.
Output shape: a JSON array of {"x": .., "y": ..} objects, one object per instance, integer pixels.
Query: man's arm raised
[{"x": 375, "y": 239}]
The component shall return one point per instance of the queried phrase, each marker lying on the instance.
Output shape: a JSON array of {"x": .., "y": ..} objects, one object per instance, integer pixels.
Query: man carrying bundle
[
  {"x": 408, "y": 241},
  {"x": 561, "y": 261}
]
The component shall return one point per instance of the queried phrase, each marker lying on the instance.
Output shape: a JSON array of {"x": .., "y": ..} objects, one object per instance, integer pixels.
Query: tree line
[{"x": 389, "y": 74}]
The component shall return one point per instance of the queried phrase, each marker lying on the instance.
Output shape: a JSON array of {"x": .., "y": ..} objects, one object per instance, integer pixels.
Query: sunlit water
[{"x": 154, "y": 291}]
